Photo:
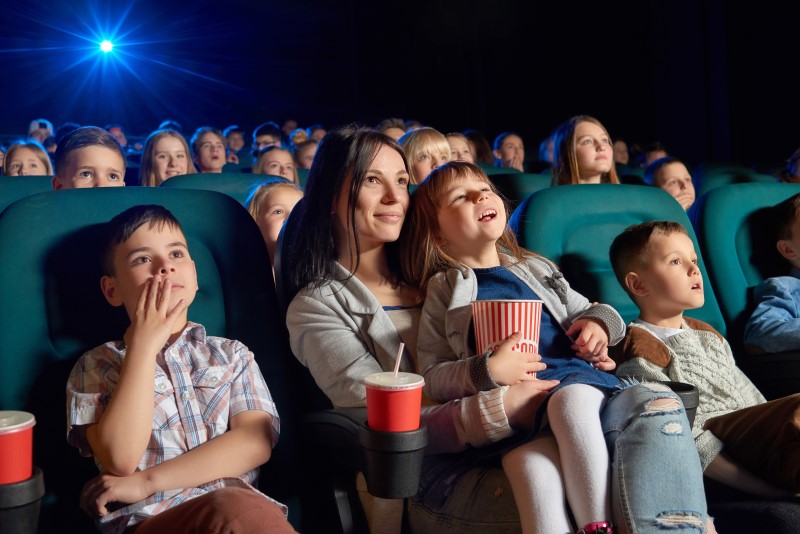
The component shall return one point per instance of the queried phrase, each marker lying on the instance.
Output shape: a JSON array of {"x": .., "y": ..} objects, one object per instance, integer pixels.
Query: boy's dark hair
[
  {"x": 83, "y": 137},
  {"x": 629, "y": 249},
  {"x": 651, "y": 170},
  {"x": 233, "y": 128},
  {"x": 784, "y": 216},
  {"x": 64, "y": 129},
  {"x": 172, "y": 125},
  {"x": 267, "y": 128},
  {"x": 122, "y": 226},
  {"x": 200, "y": 132}
]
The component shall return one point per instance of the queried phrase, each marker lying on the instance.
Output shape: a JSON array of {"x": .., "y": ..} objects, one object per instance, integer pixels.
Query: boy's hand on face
[
  {"x": 153, "y": 322},
  {"x": 105, "y": 489},
  {"x": 591, "y": 343},
  {"x": 507, "y": 366}
]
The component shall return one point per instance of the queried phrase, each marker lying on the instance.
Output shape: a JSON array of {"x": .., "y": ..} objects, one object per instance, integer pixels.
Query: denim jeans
[{"x": 657, "y": 482}]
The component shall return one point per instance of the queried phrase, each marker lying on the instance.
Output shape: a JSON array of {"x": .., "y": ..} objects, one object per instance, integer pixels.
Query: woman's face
[
  {"x": 380, "y": 207},
  {"x": 210, "y": 153},
  {"x": 24, "y": 162},
  {"x": 593, "y": 151},
  {"x": 169, "y": 159}
]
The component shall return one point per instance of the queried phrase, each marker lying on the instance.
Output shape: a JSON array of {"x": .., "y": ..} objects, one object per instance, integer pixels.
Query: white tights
[{"x": 572, "y": 461}]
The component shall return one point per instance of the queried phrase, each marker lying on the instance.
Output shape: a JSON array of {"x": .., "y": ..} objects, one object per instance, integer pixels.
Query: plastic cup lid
[
  {"x": 14, "y": 421},
  {"x": 387, "y": 380}
]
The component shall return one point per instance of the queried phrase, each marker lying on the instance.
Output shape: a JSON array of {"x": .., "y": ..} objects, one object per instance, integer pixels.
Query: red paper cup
[
  {"x": 16, "y": 446},
  {"x": 495, "y": 320},
  {"x": 394, "y": 403}
]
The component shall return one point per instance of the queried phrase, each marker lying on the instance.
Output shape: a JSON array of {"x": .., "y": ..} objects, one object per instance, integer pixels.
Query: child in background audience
[
  {"x": 304, "y": 153},
  {"x": 265, "y": 134},
  {"x": 774, "y": 325},
  {"x": 208, "y": 150},
  {"x": 671, "y": 175},
  {"x": 276, "y": 161},
  {"x": 40, "y": 129},
  {"x": 743, "y": 441},
  {"x": 234, "y": 138},
  {"x": 460, "y": 147},
  {"x": 481, "y": 148},
  {"x": 27, "y": 157},
  {"x": 177, "y": 421},
  {"x": 165, "y": 154},
  {"x": 457, "y": 247},
  {"x": 394, "y": 127},
  {"x": 316, "y": 132},
  {"x": 652, "y": 152},
  {"x": 89, "y": 157},
  {"x": 270, "y": 203},
  {"x": 426, "y": 148},
  {"x": 509, "y": 151},
  {"x": 583, "y": 153},
  {"x": 621, "y": 154}
]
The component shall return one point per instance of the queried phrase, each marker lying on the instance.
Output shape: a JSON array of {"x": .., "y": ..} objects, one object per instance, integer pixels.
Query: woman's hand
[
  {"x": 507, "y": 366},
  {"x": 522, "y": 400}
]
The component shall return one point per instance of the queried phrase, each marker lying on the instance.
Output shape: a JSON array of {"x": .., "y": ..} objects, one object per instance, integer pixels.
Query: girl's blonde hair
[
  {"x": 37, "y": 148},
  {"x": 423, "y": 255},
  {"x": 260, "y": 192},
  {"x": 147, "y": 176},
  {"x": 424, "y": 140},
  {"x": 565, "y": 161}
]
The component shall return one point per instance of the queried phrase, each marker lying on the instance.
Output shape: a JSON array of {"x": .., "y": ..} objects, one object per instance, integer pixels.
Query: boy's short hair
[
  {"x": 267, "y": 128},
  {"x": 120, "y": 228},
  {"x": 233, "y": 128},
  {"x": 194, "y": 143},
  {"x": 651, "y": 171},
  {"x": 83, "y": 137},
  {"x": 629, "y": 250},
  {"x": 784, "y": 216}
]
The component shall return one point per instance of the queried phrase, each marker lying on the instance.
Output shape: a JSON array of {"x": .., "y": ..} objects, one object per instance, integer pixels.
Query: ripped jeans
[{"x": 656, "y": 478}]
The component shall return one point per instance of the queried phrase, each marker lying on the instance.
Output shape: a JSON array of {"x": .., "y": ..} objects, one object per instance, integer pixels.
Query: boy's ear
[
  {"x": 786, "y": 249},
  {"x": 56, "y": 183},
  {"x": 636, "y": 285},
  {"x": 109, "y": 288}
]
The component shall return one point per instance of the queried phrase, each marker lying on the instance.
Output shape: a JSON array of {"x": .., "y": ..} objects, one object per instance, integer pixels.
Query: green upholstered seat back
[
  {"x": 575, "y": 225},
  {"x": 13, "y": 188},
  {"x": 732, "y": 225},
  {"x": 517, "y": 186},
  {"x": 732, "y": 175},
  {"x": 234, "y": 184},
  {"x": 52, "y": 310}
]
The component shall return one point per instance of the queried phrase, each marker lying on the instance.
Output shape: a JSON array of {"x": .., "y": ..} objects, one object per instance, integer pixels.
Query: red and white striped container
[{"x": 495, "y": 320}]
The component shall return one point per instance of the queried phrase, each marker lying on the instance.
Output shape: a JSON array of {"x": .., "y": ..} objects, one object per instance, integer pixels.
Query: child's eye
[
  {"x": 141, "y": 259},
  {"x": 676, "y": 261},
  {"x": 114, "y": 177},
  {"x": 85, "y": 174},
  {"x": 423, "y": 157},
  {"x": 694, "y": 261},
  {"x": 177, "y": 254},
  {"x": 278, "y": 212},
  {"x": 402, "y": 181},
  {"x": 180, "y": 156}
]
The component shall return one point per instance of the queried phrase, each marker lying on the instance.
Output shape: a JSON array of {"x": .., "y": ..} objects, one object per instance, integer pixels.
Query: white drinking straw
[{"x": 399, "y": 357}]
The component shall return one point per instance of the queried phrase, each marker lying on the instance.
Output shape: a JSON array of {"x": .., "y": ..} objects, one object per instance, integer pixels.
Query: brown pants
[
  {"x": 765, "y": 439},
  {"x": 223, "y": 511}
]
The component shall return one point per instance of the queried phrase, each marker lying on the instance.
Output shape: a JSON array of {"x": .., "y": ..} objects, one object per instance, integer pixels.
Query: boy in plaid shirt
[{"x": 177, "y": 421}]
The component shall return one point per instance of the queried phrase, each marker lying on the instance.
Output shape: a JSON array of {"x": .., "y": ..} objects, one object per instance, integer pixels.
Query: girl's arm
[{"x": 447, "y": 375}]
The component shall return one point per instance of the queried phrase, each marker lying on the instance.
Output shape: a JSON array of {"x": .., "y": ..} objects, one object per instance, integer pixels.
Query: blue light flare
[{"x": 106, "y": 46}]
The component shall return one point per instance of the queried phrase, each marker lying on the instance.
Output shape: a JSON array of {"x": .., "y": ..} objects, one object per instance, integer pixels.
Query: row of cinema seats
[{"x": 52, "y": 310}]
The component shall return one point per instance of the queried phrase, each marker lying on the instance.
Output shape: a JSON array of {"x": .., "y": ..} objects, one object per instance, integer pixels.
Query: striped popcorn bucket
[{"x": 495, "y": 320}]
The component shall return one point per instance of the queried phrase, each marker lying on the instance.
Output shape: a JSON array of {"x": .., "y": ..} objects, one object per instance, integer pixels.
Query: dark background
[{"x": 713, "y": 81}]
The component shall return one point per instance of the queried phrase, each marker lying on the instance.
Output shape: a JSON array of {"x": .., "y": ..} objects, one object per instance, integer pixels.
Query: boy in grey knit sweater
[{"x": 743, "y": 441}]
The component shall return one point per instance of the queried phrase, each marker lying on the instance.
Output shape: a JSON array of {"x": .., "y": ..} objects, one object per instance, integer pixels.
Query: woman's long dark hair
[{"x": 342, "y": 153}]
